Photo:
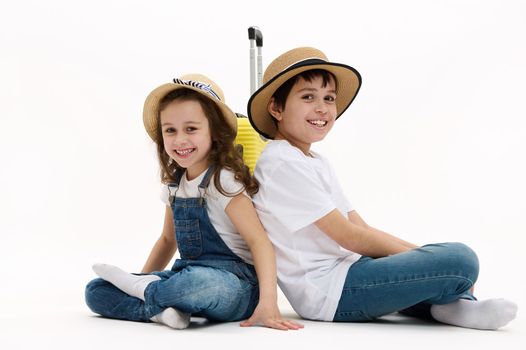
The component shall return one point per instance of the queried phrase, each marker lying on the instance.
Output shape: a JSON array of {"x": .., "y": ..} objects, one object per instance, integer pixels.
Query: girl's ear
[{"x": 273, "y": 110}]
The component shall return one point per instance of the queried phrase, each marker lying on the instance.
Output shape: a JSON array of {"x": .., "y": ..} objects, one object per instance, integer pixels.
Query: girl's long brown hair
[{"x": 223, "y": 154}]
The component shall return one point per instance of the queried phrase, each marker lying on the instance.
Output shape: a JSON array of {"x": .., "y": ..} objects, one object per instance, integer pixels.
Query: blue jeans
[
  {"x": 409, "y": 282},
  {"x": 208, "y": 281},
  {"x": 203, "y": 291}
]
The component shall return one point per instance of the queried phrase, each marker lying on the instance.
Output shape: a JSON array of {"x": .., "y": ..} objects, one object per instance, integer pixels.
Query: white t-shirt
[
  {"x": 216, "y": 205},
  {"x": 295, "y": 191}
]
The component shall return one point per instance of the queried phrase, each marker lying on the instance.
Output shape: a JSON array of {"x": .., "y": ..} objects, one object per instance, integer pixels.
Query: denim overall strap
[
  {"x": 178, "y": 176},
  {"x": 206, "y": 179},
  {"x": 197, "y": 239},
  {"x": 204, "y": 183},
  {"x": 175, "y": 185}
]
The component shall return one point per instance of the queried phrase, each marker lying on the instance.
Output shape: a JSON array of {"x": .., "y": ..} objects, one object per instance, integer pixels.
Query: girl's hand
[{"x": 269, "y": 316}]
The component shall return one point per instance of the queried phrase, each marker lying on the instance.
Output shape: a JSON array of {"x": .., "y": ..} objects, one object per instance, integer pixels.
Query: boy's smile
[{"x": 309, "y": 113}]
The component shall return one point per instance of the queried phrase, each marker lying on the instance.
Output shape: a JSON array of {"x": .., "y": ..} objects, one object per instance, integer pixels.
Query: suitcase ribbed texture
[{"x": 251, "y": 142}]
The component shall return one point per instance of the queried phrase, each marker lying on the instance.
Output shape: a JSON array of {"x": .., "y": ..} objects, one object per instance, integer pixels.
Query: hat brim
[
  {"x": 151, "y": 108},
  {"x": 349, "y": 82}
]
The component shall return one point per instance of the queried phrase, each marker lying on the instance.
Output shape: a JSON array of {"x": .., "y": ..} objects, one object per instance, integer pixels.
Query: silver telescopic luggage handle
[{"x": 256, "y": 70}]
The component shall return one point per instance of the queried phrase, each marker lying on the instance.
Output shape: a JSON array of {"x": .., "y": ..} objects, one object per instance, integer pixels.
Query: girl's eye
[
  {"x": 307, "y": 97},
  {"x": 330, "y": 98},
  {"x": 190, "y": 129},
  {"x": 169, "y": 130}
]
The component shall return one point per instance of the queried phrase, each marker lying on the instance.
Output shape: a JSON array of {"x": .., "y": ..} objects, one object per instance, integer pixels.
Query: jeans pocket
[
  {"x": 243, "y": 271},
  {"x": 351, "y": 316},
  {"x": 188, "y": 237}
]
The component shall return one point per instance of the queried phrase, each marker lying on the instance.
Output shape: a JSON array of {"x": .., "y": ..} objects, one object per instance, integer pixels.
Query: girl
[
  {"x": 209, "y": 218},
  {"x": 333, "y": 266}
]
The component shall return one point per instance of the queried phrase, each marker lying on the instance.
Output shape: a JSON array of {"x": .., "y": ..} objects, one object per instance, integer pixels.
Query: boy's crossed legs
[{"x": 436, "y": 275}]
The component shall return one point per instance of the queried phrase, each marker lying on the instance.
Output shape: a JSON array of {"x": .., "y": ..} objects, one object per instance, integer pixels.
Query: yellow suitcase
[{"x": 248, "y": 141}]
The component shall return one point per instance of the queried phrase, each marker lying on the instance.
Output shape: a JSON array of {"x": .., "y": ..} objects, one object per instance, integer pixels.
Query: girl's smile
[
  {"x": 186, "y": 136},
  {"x": 184, "y": 153}
]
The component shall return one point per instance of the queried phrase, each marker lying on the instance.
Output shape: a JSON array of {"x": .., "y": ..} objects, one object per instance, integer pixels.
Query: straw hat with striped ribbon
[{"x": 196, "y": 82}]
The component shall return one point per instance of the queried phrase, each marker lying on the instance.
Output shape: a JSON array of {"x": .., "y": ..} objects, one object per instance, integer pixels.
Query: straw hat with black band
[
  {"x": 287, "y": 66},
  {"x": 195, "y": 82}
]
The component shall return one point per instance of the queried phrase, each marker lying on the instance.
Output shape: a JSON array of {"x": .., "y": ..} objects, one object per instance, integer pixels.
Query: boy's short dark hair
[{"x": 281, "y": 94}]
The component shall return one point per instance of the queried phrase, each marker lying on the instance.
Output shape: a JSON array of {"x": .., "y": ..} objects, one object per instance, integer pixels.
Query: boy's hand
[{"x": 269, "y": 316}]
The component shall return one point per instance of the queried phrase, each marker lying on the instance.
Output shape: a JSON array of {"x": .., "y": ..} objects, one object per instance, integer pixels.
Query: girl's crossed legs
[{"x": 201, "y": 291}]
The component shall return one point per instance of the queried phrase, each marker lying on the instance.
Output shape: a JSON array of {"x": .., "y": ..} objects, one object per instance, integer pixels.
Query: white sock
[
  {"x": 484, "y": 314},
  {"x": 134, "y": 285},
  {"x": 172, "y": 318}
]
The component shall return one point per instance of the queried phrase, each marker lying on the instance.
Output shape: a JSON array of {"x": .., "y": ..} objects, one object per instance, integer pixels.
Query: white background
[{"x": 432, "y": 149}]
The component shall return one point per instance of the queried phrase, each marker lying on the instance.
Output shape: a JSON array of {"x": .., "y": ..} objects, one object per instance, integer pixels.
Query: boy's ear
[{"x": 273, "y": 110}]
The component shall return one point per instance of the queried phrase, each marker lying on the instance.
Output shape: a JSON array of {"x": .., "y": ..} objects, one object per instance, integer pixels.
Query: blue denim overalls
[{"x": 209, "y": 280}]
